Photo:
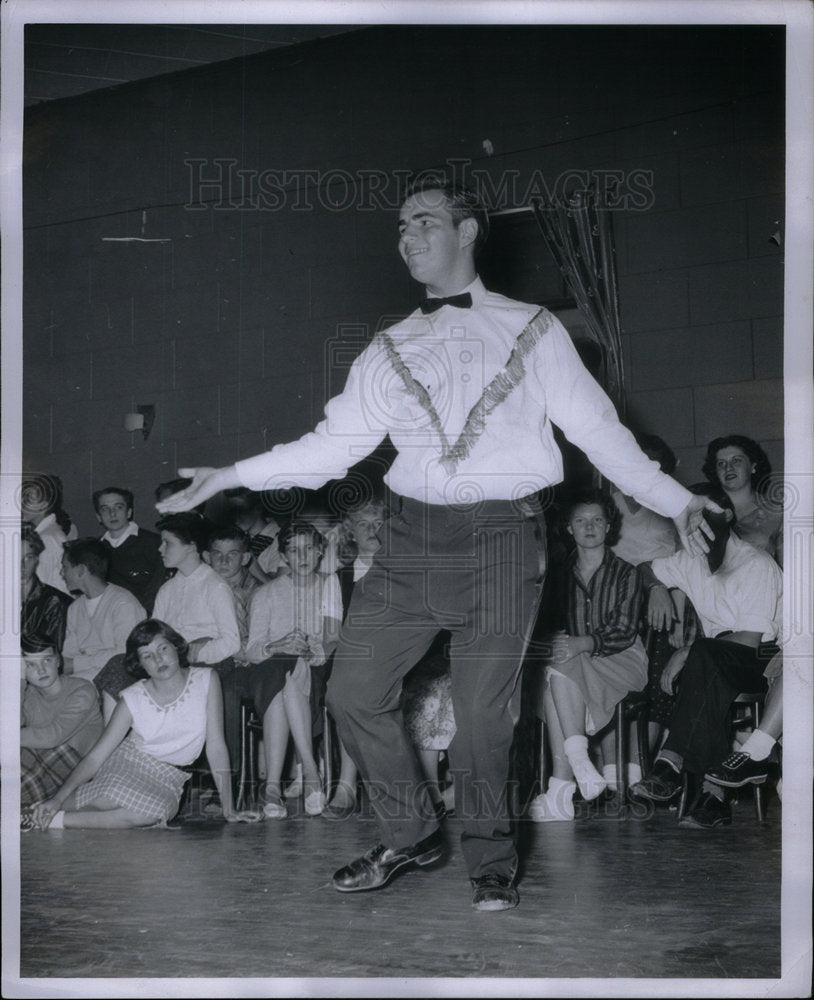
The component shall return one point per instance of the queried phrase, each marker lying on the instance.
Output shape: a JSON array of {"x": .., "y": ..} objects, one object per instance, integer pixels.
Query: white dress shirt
[
  {"x": 200, "y": 606},
  {"x": 744, "y": 595},
  {"x": 469, "y": 404}
]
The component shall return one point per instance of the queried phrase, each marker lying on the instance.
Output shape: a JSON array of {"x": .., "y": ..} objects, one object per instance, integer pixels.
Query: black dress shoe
[
  {"x": 494, "y": 892},
  {"x": 380, "y": 864},
  {"x": 707, "y": 813},
  {"x": 661, "y": 785},
  {"x": 739, "y": 769}
]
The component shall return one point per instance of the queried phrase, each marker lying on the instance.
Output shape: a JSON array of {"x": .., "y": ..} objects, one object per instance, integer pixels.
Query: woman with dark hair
[
  {"x": 134, "y": 775},
  {"x": 595, "y": 659},
  {"x": 740, "y": 467}
]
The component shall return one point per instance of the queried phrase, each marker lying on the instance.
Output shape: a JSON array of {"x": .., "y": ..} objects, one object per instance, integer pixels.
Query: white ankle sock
[
  {"x": 759, "y": 745},
  {"x": 634, "y": 774},
  {"x": 609, "y": 774},
  {"x": 590, "y": 781},
  {"x": 560, "y": 796},
  {"x": 555, "y": 804},
  {"x": 58, "y": 822}
]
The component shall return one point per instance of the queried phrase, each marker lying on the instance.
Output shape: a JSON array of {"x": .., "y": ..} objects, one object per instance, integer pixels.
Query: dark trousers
[
  {"x": 475, "y": 573},
  {"x": 714, "y": 673},
  {"x": 258, "y": 683}
]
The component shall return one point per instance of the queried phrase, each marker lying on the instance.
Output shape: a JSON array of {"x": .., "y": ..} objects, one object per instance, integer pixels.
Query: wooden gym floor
[{"x": 599, "y": 898}]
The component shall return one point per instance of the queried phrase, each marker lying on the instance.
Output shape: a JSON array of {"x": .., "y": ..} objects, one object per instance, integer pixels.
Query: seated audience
[
  {"x": 41, "y": 505},
  {"x": 229, "y": 554},
  {"x": 101, "y": 617},
  {"x": 249, "y": 514},
  {"x": 135, "y": 562},
  {"x": 596, "y": 657},
  {"x": 739, "y": 466},
  {"x": 195, "y": 602},
  {"x": 294, "y": 625},
  {"x": 43, "y": 608},
  {"x": 736, "y": 592},
  {"x": 317, "y": 512},
  {"x": 60, "y": 720},
  {"x": 133, "y": 776}
]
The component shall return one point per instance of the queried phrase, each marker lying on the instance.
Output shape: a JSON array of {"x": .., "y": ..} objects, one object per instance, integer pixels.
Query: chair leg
[
  {"x": 620, "y": 724},
  {"x": 643, "y": 741},
  {"x": 327, "y": 752},
  {"x": 253, "y": 780},
  {"x": 759, "y": 807},
  {"x": 542, "y": 762},
  {"x": 240, "y": 798},
  {"x": 685, "y": 794},
  {"x": 758, "y": 789}
]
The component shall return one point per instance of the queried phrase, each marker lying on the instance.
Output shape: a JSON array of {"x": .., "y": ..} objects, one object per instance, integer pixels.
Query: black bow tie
[{"x": 462, "y": 301}]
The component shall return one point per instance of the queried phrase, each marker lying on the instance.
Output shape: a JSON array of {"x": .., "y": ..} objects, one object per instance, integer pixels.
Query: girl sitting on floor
[{"x": 133, "y": 775}]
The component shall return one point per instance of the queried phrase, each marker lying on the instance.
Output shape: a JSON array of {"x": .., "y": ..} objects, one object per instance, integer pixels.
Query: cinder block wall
[{"x": 168, "y": 262}]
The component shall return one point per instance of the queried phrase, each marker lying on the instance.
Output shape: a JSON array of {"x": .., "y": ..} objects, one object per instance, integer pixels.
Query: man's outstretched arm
[
  {"x": 691, "y": 526},
  {"x": 206, "y": 482}
]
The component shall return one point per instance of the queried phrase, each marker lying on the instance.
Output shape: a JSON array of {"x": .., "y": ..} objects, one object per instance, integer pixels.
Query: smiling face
[
  {"x": 589, "y": 525},
  {"x": 113, "y": 513},
  {"x": 159, "y": 658},
  {"x": 438, "y": 253},
  {"x": 42, "y": 669},
  {"x": 734, "y": 468}
]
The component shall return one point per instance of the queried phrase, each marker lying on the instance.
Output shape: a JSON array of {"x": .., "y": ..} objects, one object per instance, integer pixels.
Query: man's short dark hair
[
  {"x": 164, "y": 490},
  {"x": 189, "y": 527},
  {"x": 126, "y": 495},
  {"x": 229, "y": 533},
  {"x": 463, "y": 202},
  {"x": 92, "y": 553}
]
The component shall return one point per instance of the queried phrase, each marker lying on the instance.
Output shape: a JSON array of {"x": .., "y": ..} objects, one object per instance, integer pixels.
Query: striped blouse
[{"x": 608, "y": 609}]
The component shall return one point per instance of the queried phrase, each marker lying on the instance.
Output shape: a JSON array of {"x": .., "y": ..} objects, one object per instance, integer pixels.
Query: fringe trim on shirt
[
  {"x": 415, "y": 388},
  {"x": 492, "y": 396}
]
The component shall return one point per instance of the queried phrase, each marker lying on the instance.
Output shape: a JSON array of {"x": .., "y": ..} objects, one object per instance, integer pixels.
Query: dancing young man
[{"x": 467, "y": 387}]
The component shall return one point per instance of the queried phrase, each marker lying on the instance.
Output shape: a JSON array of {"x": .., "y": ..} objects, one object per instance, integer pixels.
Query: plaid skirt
[
  {"x": 42, "y": 772},
  {"x": 135, "y": 780}
]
